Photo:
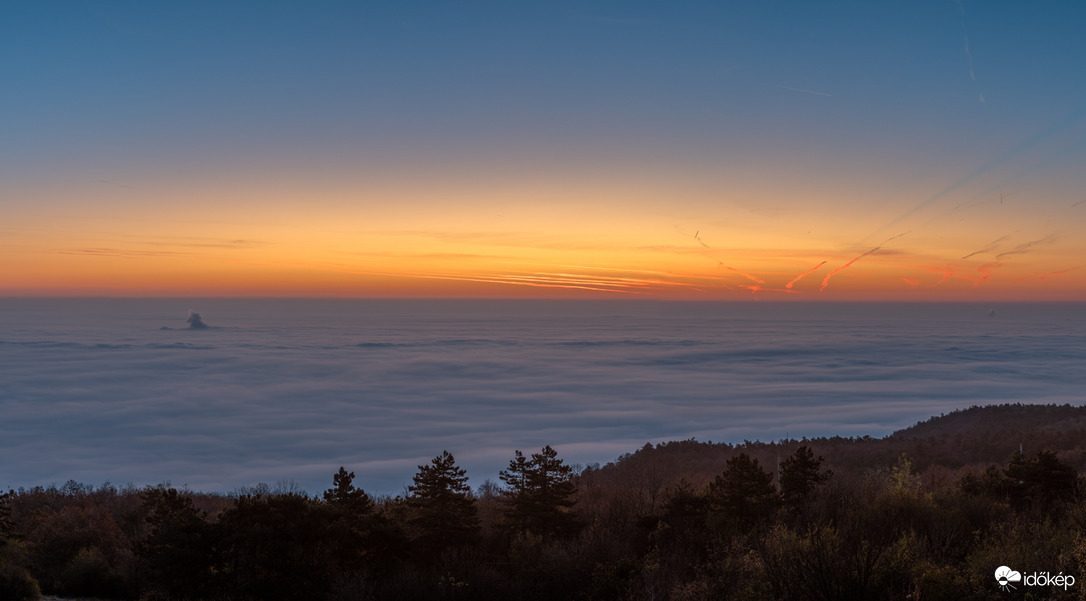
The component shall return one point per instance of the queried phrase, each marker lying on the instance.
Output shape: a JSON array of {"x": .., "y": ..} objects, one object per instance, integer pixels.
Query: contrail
[
  {"x": 1045, "y": 133},
  {"x": 969, "y": 57},
  {"x": 826, "y": 281},
  {"x": 103, "y": 181},
  {"x": 801, "y": 276},
  {"x": 602, "y": 280},
  {"x": 968, "y": 54},
  {"x": 515, "y": 282},
  {"x": 946, "y": 276},
  {"x": 948, "y": 273},
  {"x": 988, "y": 248},
  {"x": 1078, "y": 203},
  {"x": 755, "y": 288},
  {"x": 1043, "y": 276},
  {"x": 631, "y": 285},
  {"x": 961, "y": 208},
  {"x": 802, "y": 90},
  {"x": 746, "y": 275},
  {"x": 596, "y": 268},
  {"x": 1023, "y": 248},
  {"x": 986, "y": 271}
]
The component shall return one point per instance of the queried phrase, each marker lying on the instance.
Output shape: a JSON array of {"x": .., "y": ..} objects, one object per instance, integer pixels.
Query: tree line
[{"x": 797, "y": 531}]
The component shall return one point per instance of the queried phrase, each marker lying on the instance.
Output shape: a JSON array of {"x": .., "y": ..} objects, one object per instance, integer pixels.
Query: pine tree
[
  {"x": 800, "y": 475},
  {"x": 445, "y": 510},
  {"x": 517, "y": 496},
  {"x": 352, "y": 521},
  {"x": 344, "y": 495},
  {"x": 540, "y": 493},
  {"x": 1041, "y": 480},
  {"x": 744, "y": 492}
]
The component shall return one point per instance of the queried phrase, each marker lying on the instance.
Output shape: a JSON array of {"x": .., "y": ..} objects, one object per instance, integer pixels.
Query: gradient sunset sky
[{"x": 693, "y": 150}]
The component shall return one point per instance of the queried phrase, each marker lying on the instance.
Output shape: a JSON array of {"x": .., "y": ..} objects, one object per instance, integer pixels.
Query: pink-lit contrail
[
  {"x": 948, "y": 273},
  {"x": 618, "y": 285},
  {"x": 746, "y": 275},
  {"x": 520, "y": 282},
  {"x": 1042, "y": 277},
  {"x": 946, "y": 276},
  {"x": 756, "y": 288},
  {"x": 826, "y": 281},
  {"x": 986, "y": 272},
  {"x": 802, "y": 275}
]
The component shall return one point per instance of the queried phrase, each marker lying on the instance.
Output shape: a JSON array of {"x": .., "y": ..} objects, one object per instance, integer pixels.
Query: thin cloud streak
[
  {"x": 756, "y": 288},
  {"x": 1045, "y": 133},
  {"x": 946, "y": 276},
  {"x": 513, "y": 281},
  {"x": 107, "y": 182},
  {"x": 826, "y": 281},
  {"x": 986, "y": 272},
  {"x": 802, "y": 275},
  {"x": 700, "y": 241},
  {"x": 117, "y": 252},
  {"x": 994, "y": 244},
  {"x": 538, "y": 279},
  {"x": 596, "y": 268},
  {"x": 983, "y": 271},
  {"x": 1027, "y": 247},
  {"x": 1044, "y": 276},
  {"x": 968, "y": 53},
  {"x": 746, "y": 275},
  {"x": 805, "y": 91}
]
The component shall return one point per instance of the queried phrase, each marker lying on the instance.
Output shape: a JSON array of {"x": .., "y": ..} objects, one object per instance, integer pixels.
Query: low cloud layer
[
  {"x": 291, "y": 390},
  {"x": 195, "y": 321}
]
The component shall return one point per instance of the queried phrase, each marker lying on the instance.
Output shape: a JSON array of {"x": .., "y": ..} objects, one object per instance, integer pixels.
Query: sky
[{"x": 679, "y": 150}]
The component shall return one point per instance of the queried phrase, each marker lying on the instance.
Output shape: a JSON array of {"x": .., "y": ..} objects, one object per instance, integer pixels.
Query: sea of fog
[{"x": 280, "y": 391}]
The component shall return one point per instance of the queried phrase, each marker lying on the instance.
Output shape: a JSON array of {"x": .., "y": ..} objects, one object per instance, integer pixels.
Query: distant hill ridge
[
  {"x": 969, "y": 438},
  {"x": 1014, "y": 418}
]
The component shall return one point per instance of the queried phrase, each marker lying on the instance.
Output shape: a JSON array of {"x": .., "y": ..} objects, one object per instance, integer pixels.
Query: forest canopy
[{"x": 929, "y": 512}]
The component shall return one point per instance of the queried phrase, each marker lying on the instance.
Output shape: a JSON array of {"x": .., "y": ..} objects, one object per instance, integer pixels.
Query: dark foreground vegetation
[{"x": 927, "y": 513}]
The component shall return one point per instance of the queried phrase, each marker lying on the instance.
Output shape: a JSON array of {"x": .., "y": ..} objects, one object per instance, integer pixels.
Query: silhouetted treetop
[
  {"x": 344, "y": 494},
  {"x": 744, "y": 492},
  {"x": 445, "y": 511},
  {"x": 801, "y": 473},
  {"x": 540, "y": 493}
]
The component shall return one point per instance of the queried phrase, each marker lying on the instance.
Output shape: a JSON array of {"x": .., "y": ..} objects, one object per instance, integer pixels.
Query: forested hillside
[
  {"x": 926, "y": 513},
  {"x": 937, "y": 448}
]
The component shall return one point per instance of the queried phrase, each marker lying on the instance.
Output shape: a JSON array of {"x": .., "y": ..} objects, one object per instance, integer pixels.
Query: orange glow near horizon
[
  {"x": 577, "y": 239},
  {"x": 509, "y": 265}
]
